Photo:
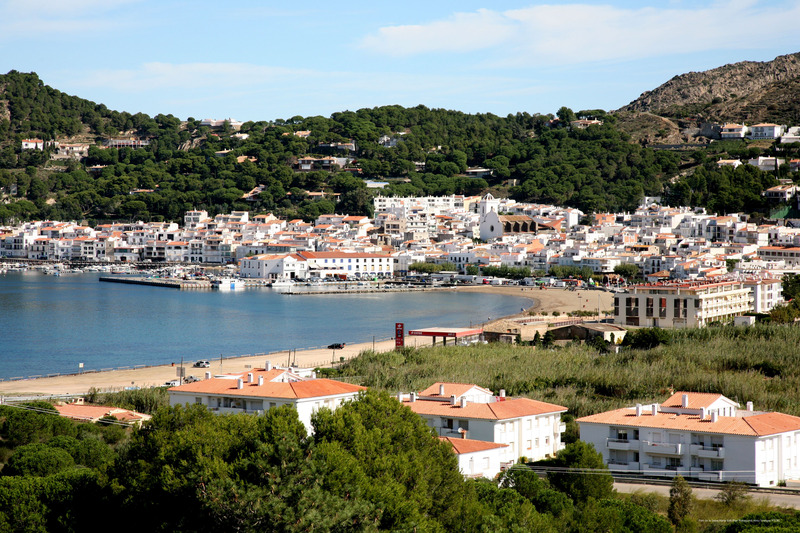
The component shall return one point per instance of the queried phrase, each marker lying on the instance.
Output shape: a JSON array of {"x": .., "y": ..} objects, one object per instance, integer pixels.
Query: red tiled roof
[{"x": 696, "y": 399}]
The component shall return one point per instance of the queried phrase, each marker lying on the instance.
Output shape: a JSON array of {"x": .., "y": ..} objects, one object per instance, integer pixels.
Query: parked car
[
  {"x": 202, "y": 363},
  {"x": 172, "y": 383},
  {"x": 336, "y": 346},
  {"x": 190, "y": 379}
]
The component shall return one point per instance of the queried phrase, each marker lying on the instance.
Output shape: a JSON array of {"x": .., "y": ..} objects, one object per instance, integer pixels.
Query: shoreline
[{"x": 548, "y": 300}]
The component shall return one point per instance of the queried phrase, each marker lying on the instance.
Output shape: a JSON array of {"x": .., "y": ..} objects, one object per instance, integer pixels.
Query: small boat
[
  {"x": 228, "y": 284},
  {"x": 282, "y": 282}
]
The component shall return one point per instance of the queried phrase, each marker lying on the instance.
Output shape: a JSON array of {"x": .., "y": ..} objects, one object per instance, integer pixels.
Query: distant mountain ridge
[{"x": 747, "y": 91}]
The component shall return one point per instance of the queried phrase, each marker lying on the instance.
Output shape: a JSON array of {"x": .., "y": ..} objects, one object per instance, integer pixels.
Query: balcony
[
  {"x": 560, "y": 428},
  {"x": 714, "y": 475},
  {"x": 662, "y": 448},
  {"x": 711, "y": 452},
  {"x": 622, "y": 444}
]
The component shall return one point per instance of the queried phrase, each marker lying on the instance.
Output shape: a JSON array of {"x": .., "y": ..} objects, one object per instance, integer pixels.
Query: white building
[
  {"x": 349, "y": 264},
  {"x": 477, "y": 458},
  {"x": 698, "y": 435},
  {"x": 274, "y": 267},
  {"x": 767, "y": 293},
  {"x": 682, "y": 304},
  {"x": 529, "y": 428},
  {"x": 262, "y": 389},
  {"x": 766, "y": 131}
]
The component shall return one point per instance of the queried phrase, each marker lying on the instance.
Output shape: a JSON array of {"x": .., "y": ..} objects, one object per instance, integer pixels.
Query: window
[
  {"x": 447, "y": 423},
  {"x": 527, "y": 445},
  {"x": 198, "y": 399},
  {"x": 649, "y": 309},
  {"x": 463, "y": 424},
  {"x": 536, "y": 442}
]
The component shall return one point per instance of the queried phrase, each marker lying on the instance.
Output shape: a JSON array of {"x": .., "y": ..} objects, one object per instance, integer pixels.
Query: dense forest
[
  {"x": 372, "y": 465},
  {"x": 535, "y": 158}
]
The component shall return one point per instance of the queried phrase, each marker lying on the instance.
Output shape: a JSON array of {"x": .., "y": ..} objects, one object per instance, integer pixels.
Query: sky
[{"x": 267, "y": 60}]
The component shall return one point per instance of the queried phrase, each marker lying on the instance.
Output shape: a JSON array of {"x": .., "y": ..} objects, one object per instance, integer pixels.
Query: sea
[{"x": 72, "y": 323}]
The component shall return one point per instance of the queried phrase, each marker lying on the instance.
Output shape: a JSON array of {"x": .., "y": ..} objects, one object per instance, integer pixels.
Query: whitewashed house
[
  {"x": 529, "y": 428},
  {"x": 698, "y": 435},
  {"x": 262, "y": 389},
  {"x": 274, "y": 267},
  {"x": 478, "y": 458}
]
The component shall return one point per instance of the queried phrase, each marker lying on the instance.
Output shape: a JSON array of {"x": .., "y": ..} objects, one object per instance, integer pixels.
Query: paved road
[{"x": 783, "y": 500}]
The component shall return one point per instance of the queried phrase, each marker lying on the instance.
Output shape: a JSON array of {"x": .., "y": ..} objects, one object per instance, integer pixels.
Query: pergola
[{"x": 446, "y": 333}]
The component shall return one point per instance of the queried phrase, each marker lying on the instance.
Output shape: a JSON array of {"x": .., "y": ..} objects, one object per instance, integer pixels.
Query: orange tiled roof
[
  {"x": 452, "y": 389},
  {"x": 696, "y": 399},
  {"x": 504, "y": 410},
  {"x": 293, "y": 390},
  {"x": 470, "y": 445},
  {"x": 756, "y": 425}
]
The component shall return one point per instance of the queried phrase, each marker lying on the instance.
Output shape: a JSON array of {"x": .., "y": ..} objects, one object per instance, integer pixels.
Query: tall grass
[{"x": 759, "y": 364}]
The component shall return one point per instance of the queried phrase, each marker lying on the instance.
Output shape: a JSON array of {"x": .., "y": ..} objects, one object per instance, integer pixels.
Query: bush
[{"x": 733, "y": 494}]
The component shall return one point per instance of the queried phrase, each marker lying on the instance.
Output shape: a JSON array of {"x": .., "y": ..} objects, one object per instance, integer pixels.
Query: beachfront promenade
[{"x": 548, "y": 301}]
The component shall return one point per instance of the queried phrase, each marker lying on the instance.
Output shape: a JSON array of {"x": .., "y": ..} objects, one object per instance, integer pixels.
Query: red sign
[{"x": 399, "y": 337}]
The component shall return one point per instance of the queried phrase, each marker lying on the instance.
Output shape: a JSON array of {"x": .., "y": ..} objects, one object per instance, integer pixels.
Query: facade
[
  {"x": 698, "y": 435},
  {"x": 477, "y": 458},
  {"x": 528, "y": 428},
  {"x": 682, "y": 304},
  {"x": 274, "y": 267},
  {"x": 766, "y": 131},
  {"x": 263, "y": 389},
  {"x": 733, "y": 131},
  {"x": 349, "y": 264}
]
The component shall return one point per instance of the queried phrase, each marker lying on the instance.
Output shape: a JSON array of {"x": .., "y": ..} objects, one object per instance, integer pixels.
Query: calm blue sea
[{"x": 51, "y": 324}]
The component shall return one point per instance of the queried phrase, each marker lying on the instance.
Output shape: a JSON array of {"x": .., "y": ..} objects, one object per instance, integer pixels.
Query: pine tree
[{"x": 680, "y": 500}]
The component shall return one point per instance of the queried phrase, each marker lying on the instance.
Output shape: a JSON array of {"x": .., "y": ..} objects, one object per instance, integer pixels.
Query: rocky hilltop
[{"x": 748, "y": 91}]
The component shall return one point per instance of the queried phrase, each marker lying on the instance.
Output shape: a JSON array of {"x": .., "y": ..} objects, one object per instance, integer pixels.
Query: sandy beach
[{"x": 548, "y": 300}]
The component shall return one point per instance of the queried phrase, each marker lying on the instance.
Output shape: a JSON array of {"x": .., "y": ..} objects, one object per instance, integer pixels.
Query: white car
[
  {"x": 202, "y": 363},
  {"x": 173, "y": 383}
]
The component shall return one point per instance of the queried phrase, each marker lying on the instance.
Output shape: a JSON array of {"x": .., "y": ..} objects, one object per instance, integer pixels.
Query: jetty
[{"x": 171, "y": 283}]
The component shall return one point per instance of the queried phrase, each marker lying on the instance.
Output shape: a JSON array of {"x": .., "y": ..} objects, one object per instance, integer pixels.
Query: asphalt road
[{"x": 782, "y": 500}]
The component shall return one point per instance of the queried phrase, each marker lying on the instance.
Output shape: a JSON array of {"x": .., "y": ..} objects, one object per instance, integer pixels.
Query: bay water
[{"x": 51, "y": 324}]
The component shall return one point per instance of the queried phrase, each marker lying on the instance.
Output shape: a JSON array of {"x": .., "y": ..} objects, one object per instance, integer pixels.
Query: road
[{"x": 781, "y": 500}]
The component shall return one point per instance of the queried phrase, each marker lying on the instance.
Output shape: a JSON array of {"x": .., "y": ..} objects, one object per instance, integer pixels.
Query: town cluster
[
  {"x": 699, "y": 267},
  {"x": 698, "y": 435}
]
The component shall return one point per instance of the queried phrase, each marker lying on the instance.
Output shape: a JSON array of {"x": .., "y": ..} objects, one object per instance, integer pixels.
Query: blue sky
[{"x": 260, "y": 60}]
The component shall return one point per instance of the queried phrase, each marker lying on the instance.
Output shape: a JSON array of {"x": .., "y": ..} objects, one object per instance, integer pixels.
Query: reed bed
[{"x": 759, "y": 364}]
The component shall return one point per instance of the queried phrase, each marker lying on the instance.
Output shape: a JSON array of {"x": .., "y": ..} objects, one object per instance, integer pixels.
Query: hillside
[{"x": 748, "y": 91}]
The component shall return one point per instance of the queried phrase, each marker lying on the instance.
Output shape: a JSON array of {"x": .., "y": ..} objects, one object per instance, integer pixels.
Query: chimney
[
  {"x": 463, "y": 401},
  {"x": 713, "y": 416},
  {"x": 208, "y": 375},
  {"x": 749, "y": 406},
  {"x": 654, "y": 409},
  {"x": 702, "y": 413},
  {"x": 413, "y": 397},
  {"x": 249, "y": 377},
  {"x": 638, "y": 409},
  {"x": 441, "y": 389},
  {"x": 240, "y": 383},
  {"x": 502, "y": 393},
  {"x": 685, "y": 401},
  {"x": 452, "y": 399},
  {"x": 463, "y": 433},
  {"x": 268, "y": 366},
  {"x": 400, "y": 396},
  {"x": 260, "y": 380}
]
